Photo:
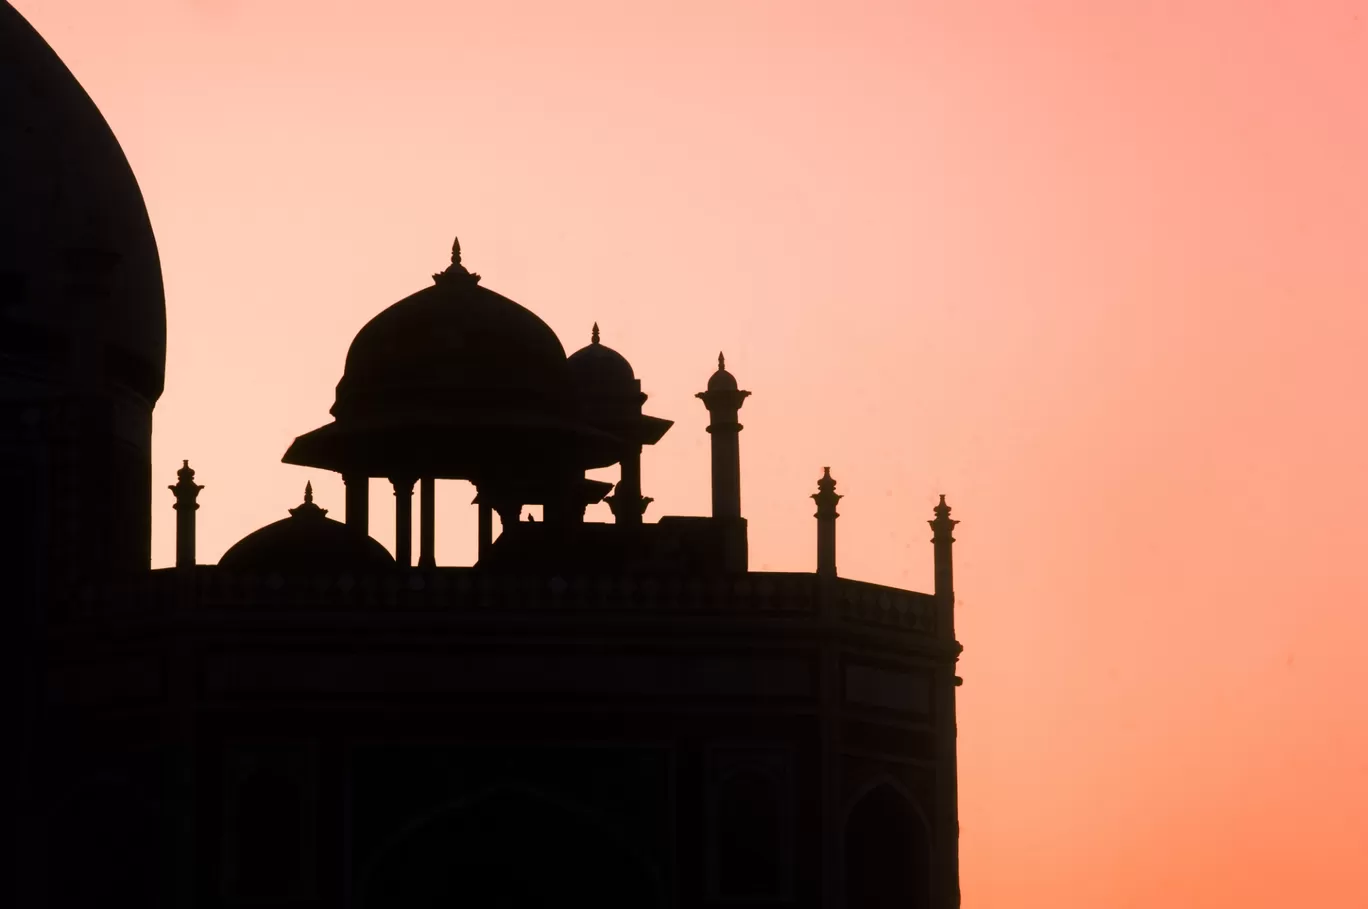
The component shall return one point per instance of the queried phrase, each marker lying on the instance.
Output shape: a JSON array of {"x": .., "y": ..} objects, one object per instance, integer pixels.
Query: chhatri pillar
[{"x": 403, "y": 520}]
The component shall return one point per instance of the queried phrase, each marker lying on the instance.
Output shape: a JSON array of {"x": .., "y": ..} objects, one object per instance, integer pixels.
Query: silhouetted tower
[
  {"x": 947, "y": 756},
  {"x": 941, "y": 538},
  {"x": 187, "y": 492},
  {"x": 723, "y": 400},
  {"x": 826, "y": 499}
]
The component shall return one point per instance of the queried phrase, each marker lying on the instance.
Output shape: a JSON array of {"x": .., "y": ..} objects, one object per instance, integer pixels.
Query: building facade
[{"x": 608, "y": 714}]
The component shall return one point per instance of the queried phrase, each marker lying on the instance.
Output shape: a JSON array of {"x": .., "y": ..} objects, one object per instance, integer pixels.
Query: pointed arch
[{"x": 886, "y": 848}]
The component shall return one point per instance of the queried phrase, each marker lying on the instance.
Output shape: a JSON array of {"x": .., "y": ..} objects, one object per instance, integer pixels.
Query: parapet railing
[{"x": 466, "y": 589}]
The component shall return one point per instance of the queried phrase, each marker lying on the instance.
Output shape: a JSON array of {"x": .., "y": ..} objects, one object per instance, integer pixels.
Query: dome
[
  {"x": 307, "y": 542},
  {"x": 722, "y": 380},
  {"x": 453, "y": 346},
  {"x": 78, "y": 260},
  {"x": 455, "y": 382},
  {"x": 606, "y": 387}
]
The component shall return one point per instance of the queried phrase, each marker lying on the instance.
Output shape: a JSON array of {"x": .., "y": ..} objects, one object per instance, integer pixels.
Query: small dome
[
  {"x": 606, "y": 387},
  {"x": 307, "y": 542},
  {"x": 722, "y": 380},
  {"x": 453, "y": 347}
]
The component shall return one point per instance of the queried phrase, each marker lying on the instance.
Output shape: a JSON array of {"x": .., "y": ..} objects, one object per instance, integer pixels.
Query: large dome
[{"x": 80, "y": 280}]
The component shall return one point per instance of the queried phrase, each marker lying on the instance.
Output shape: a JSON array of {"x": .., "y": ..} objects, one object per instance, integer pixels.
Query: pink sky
[{"x": 1097, "y": 270}]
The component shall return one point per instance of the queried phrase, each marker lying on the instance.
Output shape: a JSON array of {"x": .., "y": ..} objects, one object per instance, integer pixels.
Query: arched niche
[
  {"x": 749, "y": 836},
  {"x": 886, "y": 851},
  {"x": 511, "y": 847}
]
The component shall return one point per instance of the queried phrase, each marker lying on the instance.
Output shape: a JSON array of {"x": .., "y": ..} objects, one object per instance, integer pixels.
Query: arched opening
[
  {"x": 509, "y": 848},
  {"x": 269, "y": 842},
  {"x": 887, "y": 853},
  {"x": 748, "y": 837}
]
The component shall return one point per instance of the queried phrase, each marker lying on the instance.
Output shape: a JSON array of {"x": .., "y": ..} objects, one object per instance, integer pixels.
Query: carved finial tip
[
  {"x": 594, "y": 337},
  {"x": 308, "y": 493},
  {"x": 456, "y": 251},
  {"x": 721, "y": 361}
]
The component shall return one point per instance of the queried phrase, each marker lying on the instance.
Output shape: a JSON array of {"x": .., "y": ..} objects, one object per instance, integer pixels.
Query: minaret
[
  {"x": 826, "y": 499},
  {"x": 947, "y": 733},
  {"x": 186, "y": 491},
  {"x": 723, "y": 400},
  {"x": 941, "y": 528}
]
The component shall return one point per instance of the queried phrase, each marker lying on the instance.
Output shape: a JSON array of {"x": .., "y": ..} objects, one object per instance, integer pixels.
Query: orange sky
[{"x": 1095, "y": 269}]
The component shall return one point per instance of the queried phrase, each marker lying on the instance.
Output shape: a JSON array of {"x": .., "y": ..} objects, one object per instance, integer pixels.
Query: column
[
  {"x": 427, "y": 523},
  {"x": 403, "y": 521},
  {"x": 486, "y": 528},
  {"x": 358, "y": 501}
]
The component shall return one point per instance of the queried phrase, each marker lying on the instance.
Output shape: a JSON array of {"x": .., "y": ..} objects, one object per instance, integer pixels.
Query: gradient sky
[{"x": 1096, "y": 270}]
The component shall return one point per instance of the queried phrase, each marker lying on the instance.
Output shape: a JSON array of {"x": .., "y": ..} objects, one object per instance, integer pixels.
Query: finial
[
  {"x": 942, "y": 512},
  {"x": 308, "y": 509},
  {"x": 826, "y": 487},
  {"x": 594, "y": 338},
  {"x": 456, "y": 269},
  {"x": 185, "y": 486},
  {"x": 721, "y": 361}
]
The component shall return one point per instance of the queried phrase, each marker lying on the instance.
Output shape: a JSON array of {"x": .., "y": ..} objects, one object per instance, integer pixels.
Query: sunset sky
[{"x": 1097, "y": 270}]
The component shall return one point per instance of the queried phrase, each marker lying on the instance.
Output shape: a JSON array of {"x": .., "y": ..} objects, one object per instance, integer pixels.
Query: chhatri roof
[{"x": 457, "y": 382}]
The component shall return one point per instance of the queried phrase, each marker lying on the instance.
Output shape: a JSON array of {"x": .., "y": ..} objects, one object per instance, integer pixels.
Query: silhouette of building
[{"x": 618, "y": 714}]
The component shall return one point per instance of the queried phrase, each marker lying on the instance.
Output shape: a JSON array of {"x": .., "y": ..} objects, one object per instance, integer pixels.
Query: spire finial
[
  {"x": 456, "y": 269},
  {"x": 594, "y": 337},
  {"x": 721, "y": 361},
  {"x": 942, "y": 513},
  {"x": 308, "y": 509},
  {"x": 826, "y": 488}
]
